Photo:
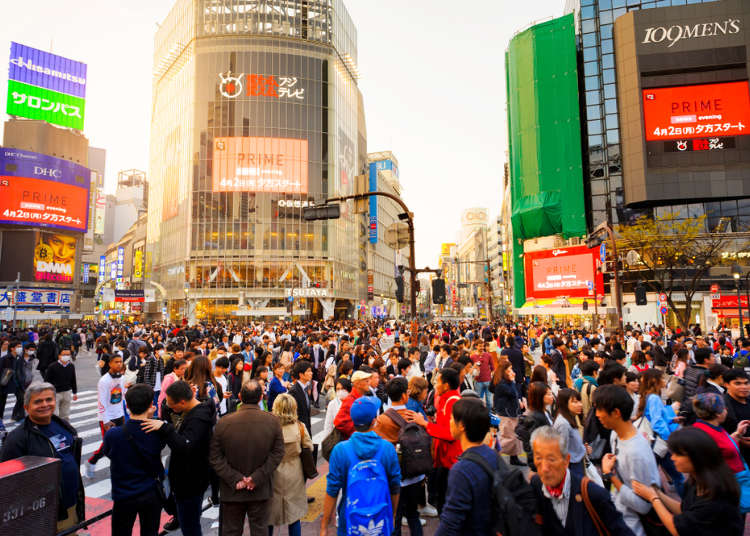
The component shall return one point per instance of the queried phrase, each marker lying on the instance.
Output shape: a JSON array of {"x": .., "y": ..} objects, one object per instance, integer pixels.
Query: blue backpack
[{"x": 368, "y": 510}]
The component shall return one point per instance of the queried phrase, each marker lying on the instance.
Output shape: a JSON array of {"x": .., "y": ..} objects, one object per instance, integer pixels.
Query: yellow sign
[
  {"x": 445, "y": 249},
  {"x": 138, "y": 264},
  {"x": 505, "y": 261}
]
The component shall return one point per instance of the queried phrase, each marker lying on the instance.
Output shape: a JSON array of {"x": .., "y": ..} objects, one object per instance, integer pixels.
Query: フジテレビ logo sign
[
  {"x": 259, "y": 85},
  {"x": 679, "y": 32}
]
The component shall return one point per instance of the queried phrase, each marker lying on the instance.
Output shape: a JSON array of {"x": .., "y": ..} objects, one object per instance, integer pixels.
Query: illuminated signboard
[
  {"x": 249, "y": 164},
  {"x": 43, "y": 191},
  {"x": 101, "y": 275},
  {"x": 45, "y": 86},
  {"x": 231, "y": 86},
  {"x": 34, "y": 297},
  {"x": 54, "y": 257},
  {"x": 562, "y": 272},
  {"x": 677, "y": 113}
]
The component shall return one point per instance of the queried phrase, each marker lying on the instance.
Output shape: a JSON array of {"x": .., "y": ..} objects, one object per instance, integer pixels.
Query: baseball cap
[
  {"x": 364, "y": 410},
  {"x": 360, "y": 375}
]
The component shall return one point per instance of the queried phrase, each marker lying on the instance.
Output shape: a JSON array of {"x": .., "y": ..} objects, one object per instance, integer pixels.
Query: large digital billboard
[
  {"x": 250, "y": 164},
  {"x": 673, "y": 113},
  {"x": 563, "y": 272},
  {"x": 54, "y": 257},
  {"x": 43, "y": 191},
  {"x": 45, "y": 86}
]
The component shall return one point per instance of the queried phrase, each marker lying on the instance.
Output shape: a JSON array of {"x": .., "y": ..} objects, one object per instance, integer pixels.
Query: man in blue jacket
[
  {"x": 364, "y": 444},
  {"x": 559, "y": 493}
]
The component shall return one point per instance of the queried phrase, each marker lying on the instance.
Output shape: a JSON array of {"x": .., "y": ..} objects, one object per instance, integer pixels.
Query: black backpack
[
  {"x": 414, "y": 446},
  {"x": 514, "y": 506}
]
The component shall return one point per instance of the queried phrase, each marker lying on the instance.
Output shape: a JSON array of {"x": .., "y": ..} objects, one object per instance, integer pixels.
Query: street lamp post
[{"x": 737, "y": 273}]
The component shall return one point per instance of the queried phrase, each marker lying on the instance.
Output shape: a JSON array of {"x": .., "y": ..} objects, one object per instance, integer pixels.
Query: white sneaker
[
  {"x": 405, "y": 523},
  {"x": 428, "y": 511},
  {"x": 89, "y": 469}
]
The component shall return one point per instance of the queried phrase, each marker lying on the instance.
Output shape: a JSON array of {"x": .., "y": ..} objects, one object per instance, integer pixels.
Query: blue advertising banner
[
  {"x": 102, "y": 275},
  {"x": 43, "y": 191},
  {"x": 45, "y": 70},
  {"x": 373, "y": 187}
]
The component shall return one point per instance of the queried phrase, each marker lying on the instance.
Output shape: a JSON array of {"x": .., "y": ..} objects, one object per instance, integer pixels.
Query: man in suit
[
  {"x": 246, "y": 448},
  {"x": 302, "y": 374},
  {"x": 561, "y": 505}
]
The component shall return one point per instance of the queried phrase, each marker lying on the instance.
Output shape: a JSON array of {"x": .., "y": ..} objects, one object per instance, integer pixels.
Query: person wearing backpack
[
  {"x": 569, "y": 505},
  {"x": 366, "y": 471},
  {"x": 413, "y": 445},
  {"x": 485, "y": 496}
]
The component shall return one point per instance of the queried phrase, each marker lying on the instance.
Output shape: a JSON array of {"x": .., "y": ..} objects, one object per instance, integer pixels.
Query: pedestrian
[
  {"x": 110, "y": 392},
  {"x": 302, "y": 375},
  {"x": 23, "y": 374},
  {"x": 47, "y": 354},
  {"x": 507, "y": 403},
  {"x": 559, "y": 492},
  {"x": 631, "y": 457},
  {"x": 188, "y": 442},
  {"x": 246, "y": 448},
  {"x": 221, "y": 365},
  {"x": 468, "y": 504},
  {"x": 343, "y": 421},
  {"x": 711, "y": 501},
  {"x": 536, "y": 415},
  {"x": 568, "y": 423},
  {"x": 342, "y": 389},
  {"x": 150, "y": 371},
  {"x": 278, "y": 384},
  {"x": 42, "y": 433},
  {"x": 289, "y": 502},
  {"x": 135, "y": 467},
  {"x": 62, "y": 374},
  {"x": 178, "y": 373},
  {"x": 363, "y": 507}
]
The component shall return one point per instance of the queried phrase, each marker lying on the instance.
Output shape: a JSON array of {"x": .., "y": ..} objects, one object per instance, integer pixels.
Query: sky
[{"x": 432, "y": 76}]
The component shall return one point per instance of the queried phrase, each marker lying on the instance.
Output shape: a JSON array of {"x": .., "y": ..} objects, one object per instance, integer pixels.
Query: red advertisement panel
[
  {"x": 570, "y": 271},
  {"x": 674, "y": 113},
  {"x": 39, "y": 202},
  {"x": 250, "y": 164}
]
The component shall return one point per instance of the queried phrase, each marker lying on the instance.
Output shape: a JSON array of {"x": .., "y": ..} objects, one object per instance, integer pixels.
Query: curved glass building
[{"x": 256, "y": 114}]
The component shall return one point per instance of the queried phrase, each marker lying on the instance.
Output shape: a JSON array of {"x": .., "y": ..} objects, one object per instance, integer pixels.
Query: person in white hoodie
[
  {"x": 343, "y": 388},
  {"x": 111, "y": 389}
]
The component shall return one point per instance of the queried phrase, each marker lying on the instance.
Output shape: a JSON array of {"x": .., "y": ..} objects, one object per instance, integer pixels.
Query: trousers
[
  {"x": 148, "y": 509},
  {"x": 233, "y": 518},
  {"x": 62, "y": 406}
]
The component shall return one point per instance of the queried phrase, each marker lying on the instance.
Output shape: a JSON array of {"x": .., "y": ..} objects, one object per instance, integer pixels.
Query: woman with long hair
[
  {"x": 540, "y": 397},
  {"x": 289, "y": 501},
  {"x": 568, "y": 422},
  {"x": 662, "y": 419},
  {"x": 638, "y": 362},
  {"x": 710, "y": 504},
  {"x": 507, "y": 403},
  {"x": 199, "y": 375}
]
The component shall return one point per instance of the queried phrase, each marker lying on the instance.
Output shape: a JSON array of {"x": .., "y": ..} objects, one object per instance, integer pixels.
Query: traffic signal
[
  {"x": 640, "y": 295},
  {"x": 585, "y": 305},
  {"x": 400, "y": 289},
  {"x": 438, "y": 291},
  {"x": 321, "y": 212}
]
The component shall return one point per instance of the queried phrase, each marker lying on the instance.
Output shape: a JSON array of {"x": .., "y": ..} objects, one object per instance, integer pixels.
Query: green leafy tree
[{"x": 675, "y": 256}]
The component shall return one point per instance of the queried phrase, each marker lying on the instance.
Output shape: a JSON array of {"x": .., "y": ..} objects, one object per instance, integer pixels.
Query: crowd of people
[{"x": 507, "y": 428}]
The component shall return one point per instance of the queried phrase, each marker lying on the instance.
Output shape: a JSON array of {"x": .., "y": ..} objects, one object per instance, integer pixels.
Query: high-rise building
[{"x": 256, "y": 115}]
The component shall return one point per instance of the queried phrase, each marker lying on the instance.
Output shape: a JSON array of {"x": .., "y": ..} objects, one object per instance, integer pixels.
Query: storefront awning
[{"x": 559, "y": 307}]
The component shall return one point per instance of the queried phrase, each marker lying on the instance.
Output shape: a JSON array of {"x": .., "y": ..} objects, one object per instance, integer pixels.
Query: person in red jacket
[
  {"x": 446, "y": 449},
  {"x": 343, "y": 420}
]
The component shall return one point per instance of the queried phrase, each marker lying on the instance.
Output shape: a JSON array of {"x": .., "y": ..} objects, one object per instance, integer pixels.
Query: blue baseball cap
[{"x": 364, "y": 410}]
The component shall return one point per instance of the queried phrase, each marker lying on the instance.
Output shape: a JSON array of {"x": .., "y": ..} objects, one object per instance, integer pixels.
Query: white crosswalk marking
[{"x": 83, "y": 417}]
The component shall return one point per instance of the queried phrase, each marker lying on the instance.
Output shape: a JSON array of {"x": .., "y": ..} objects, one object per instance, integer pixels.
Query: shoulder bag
[
  {"x": 601, "y": 528},
  {"x": 309, "y": 471},
  {"x": 166, "y": 498}
]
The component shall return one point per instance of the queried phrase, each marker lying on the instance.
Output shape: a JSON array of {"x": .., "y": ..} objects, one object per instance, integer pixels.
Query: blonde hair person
[{"x": 289, "y": 501}]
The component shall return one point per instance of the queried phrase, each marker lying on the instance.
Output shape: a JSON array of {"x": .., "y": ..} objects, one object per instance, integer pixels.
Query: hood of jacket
[
  {"x": 365, "y": 444},
  {"x": 203, "y": 412}
]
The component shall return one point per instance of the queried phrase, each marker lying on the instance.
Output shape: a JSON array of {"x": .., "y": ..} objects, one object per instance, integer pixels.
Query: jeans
[
  {"x": 189, "y": 514},
  {"x": 148, "y": 509},
  {"x": 678, "y": 479},
  {"x": 408, "y": 504},
  {"x": 295, "y": 529},
  {"x": 483, "y": 390}
]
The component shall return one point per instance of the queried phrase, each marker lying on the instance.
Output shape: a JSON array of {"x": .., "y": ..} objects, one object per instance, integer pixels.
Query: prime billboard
[
  {"x": 43, "y": 191},
  {"x": 563, "y": 272},
  {"x": 46, "y": 86},
  {"x": 252, "y": 164}
]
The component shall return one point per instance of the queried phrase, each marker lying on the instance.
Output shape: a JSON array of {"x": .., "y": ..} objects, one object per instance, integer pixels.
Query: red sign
[
  {"x": 678, "y": 113},
  {"x": 37, "y": 202},
  {"x": 714, "y": 289},
  {"x": 569, "y": 271},
  {"x": 728, "y": 302}
]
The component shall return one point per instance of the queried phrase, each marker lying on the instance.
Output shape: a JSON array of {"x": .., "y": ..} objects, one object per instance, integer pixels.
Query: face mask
[
  {"x": 31, "y": 353},
  {"x": 688, "y": 346},
  {"x": 65, "y": 358},
  {"x": 342, "y": 394},
  {"x": 162, "y": 352},
  {"x": 19, "y": 351}
]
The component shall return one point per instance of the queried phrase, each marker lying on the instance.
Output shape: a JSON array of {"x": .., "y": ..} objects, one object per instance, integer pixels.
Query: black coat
[
  {"x": 27, "y": 440},
  {"x": 46, "y": 354},
  {"x": 303, "y": 408},
  {"x": 506, "y": 400},
  {"x": 578, "y": 522}
]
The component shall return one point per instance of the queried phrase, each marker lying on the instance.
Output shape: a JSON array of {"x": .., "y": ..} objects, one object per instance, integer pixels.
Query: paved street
[{"x": 98, "y": 489}]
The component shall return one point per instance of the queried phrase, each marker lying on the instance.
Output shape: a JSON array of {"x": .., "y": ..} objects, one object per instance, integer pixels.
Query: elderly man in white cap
[{"x": 360, "y": 387}]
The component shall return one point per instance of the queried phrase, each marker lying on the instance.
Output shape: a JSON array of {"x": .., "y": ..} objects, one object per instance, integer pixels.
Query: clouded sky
[{"x": 433, "y": 82}]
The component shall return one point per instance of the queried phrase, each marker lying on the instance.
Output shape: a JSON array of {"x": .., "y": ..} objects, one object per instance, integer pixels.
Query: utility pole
[{"x": 15, "y": 299}]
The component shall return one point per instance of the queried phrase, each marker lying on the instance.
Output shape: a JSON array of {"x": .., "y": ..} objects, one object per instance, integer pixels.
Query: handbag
[
  {"x": 331, "y": 440},
  {"x": 601, "y": 528},
  {"x": 6, "y": 377},
  {"x": 309, "y": 471},
  {"x": 676, "y": 389},
  {"x": 591, "y": 472},
  {"x": 129, "y": 377},
  {"x": 743, "y": 479},
  {"x": 165, "y": 497}
]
